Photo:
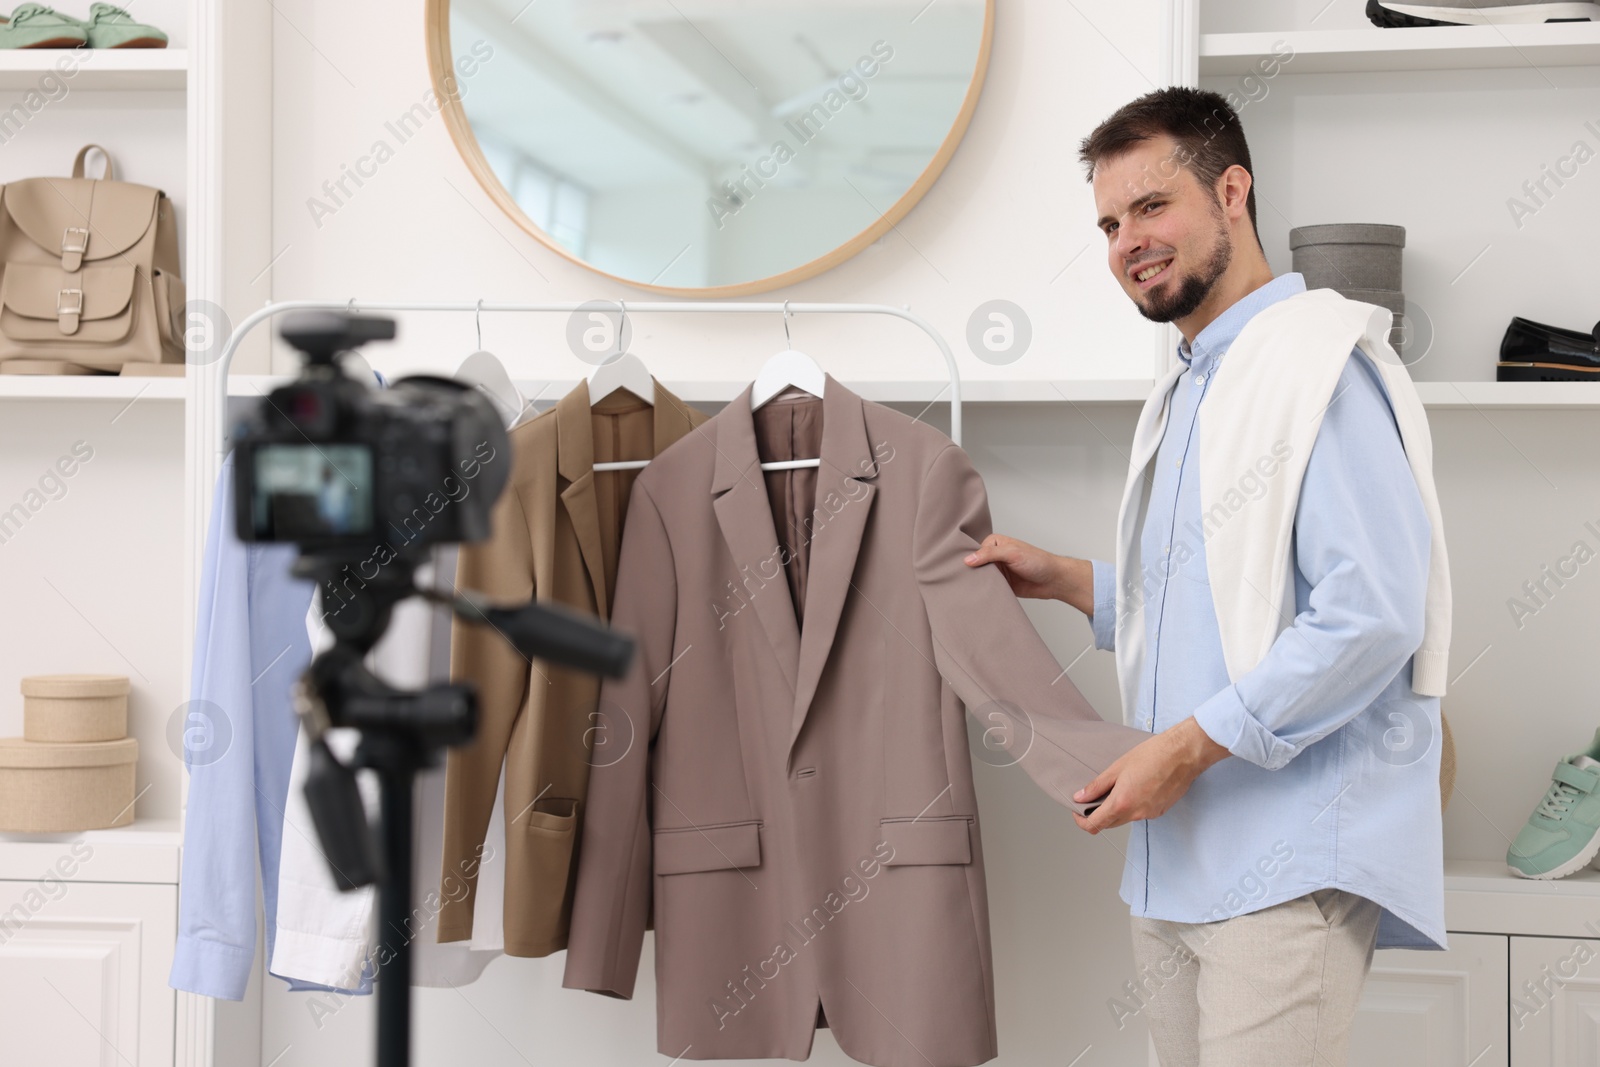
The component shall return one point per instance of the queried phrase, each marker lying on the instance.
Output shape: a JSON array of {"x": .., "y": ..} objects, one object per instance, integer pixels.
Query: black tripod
[{"x": 402, "y": 732}]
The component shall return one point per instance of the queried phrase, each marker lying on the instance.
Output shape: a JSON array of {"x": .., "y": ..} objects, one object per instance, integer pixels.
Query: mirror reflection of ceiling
[{"x": 698, "y": 143}]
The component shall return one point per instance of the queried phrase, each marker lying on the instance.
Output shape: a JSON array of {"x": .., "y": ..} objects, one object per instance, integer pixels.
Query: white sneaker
[{"x": 1479, "y": 12}]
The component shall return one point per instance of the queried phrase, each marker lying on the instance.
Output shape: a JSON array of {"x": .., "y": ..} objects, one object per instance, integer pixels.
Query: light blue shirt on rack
[
  {"x": 1328, "y": 785},
  {"x": 238, "y": 744}
]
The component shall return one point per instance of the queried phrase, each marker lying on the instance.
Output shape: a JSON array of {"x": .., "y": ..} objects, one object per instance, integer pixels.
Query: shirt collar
[{"x": 1217, "y": 337}]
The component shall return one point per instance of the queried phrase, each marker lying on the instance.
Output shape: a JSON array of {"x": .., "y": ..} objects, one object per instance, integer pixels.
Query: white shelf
[
  {"x": 1482, "y": 896},
  {"x": 1543, "y": 395},
  {"x": 89, "y": 387},
  {"x": 146, "y": 850},
  {"x": 1562, "y": 44},
  {"x": 97, "y": 68}
]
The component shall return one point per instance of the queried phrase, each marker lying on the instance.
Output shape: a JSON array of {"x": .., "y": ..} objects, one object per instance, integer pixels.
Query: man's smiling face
[{"x": 1167, "y": 239}]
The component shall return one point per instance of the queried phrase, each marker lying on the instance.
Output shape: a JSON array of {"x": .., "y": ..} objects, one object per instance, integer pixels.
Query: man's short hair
[{"x": 1203, "y": 124}]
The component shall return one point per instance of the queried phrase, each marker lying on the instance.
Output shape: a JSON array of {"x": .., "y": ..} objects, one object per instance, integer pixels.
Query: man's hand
[
  {"x": 1036, "y": 574},
  {"x": 1149, "y": 778}
]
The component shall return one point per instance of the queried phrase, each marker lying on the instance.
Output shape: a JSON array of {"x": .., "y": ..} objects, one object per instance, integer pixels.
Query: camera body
[{"x": 343, "y": 469}]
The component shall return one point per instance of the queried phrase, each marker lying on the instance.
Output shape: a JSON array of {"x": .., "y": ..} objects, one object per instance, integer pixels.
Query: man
[{"x": 1285, "y": 814}]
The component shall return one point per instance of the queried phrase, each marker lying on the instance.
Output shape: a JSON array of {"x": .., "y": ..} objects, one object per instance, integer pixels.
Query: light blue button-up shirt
[
  {"x": 1334, "y": 774},
  {"x": 239, "y": 732}
]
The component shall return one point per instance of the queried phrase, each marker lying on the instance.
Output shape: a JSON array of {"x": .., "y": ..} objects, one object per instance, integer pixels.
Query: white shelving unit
[
  {"x": 106, "y": 943},
  {"x": 1370, "y": 49}
]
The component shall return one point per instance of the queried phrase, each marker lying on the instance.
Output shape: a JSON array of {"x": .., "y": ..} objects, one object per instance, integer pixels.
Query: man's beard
[{"x": 1193, "y": 290}]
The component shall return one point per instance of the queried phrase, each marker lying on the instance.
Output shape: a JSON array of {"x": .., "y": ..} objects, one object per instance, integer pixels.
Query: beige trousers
[{"x": 1272, "y": 988}]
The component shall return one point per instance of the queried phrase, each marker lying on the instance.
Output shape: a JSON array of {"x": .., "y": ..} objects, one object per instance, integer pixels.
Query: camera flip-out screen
[{"x": 309, "y": 491}]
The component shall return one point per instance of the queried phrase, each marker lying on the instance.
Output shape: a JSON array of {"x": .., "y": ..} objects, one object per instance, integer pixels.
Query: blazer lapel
[
  {"x": 745, "y": 515},
  {"x": 575, "y": 462},
  {"x": 843, "y": 503}
]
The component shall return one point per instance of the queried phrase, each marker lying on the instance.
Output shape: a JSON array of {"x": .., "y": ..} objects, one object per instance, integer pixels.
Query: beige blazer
[
  {"x": 792, "y": 801},
  {"x": 556, "y": 534}
]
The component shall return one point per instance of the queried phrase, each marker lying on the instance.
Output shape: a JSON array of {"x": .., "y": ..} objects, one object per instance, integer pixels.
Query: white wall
[{"x": 1009, "y": 215}]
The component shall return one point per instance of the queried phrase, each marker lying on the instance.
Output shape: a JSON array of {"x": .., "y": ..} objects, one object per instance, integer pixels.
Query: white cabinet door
[
  {"x": 83, "y": 973},
  {"x": 1425, "y": 1009},
  {"x": 1555, "y": 1002}
]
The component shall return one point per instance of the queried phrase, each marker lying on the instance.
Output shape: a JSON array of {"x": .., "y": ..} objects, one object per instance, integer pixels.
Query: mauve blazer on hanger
[{"x": 782, "y": 782}]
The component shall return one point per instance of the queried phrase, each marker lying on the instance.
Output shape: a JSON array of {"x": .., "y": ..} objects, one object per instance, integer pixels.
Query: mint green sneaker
[
  {"x": 1562, "y": 835},
  {"x": 108, "y": 26},
  {"x": 37, "y": 26}
]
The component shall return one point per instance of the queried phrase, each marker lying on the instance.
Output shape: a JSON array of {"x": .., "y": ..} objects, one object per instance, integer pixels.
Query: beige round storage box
[
  {"x": 75, "y": 707},
  {"x": 74, "y": 786}
]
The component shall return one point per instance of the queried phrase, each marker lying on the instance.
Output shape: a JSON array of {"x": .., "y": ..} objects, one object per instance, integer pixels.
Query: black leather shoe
[
  {"x": 1534, "y": 352},
  {"x": 1390, "y": 13}
]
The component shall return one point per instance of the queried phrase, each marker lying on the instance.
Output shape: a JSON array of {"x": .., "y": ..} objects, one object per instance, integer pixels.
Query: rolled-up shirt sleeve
[
  {"x": 1362, "y": 542},
  {"x": 1104, "y": 619}
]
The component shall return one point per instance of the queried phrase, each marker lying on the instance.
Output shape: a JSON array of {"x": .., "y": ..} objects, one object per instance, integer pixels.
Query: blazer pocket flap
[
  {"x": 708, "y": 848},
  {"x": 925, "y": 840}
]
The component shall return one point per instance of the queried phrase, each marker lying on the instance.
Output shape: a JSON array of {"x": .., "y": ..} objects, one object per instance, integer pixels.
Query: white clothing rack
[{"x": 231, "y": 346}]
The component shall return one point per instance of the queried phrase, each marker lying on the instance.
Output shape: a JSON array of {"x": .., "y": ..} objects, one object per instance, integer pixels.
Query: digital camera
[{"x": 343, "y": 469}]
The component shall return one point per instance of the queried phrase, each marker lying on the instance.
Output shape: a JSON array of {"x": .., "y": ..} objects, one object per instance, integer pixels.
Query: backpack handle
[{"x": 77, "y": 164}]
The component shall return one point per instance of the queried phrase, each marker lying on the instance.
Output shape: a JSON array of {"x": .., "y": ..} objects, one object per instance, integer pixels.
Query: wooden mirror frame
[{"x": 441, "y": 66}]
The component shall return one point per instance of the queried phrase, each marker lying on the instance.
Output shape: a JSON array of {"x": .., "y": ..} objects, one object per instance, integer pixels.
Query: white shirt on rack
[{"x": 330, "y": 938}]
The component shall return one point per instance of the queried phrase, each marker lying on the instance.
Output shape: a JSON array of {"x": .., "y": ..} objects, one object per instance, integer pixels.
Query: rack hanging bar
[{"x": 231, "y": 346}]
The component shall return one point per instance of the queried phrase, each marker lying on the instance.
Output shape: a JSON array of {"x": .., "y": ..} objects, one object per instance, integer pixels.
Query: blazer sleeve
[
  {"x": 611, "y": 904},
  {"x": 500, "y": 568},
  {"x": 986, "y": 647}
]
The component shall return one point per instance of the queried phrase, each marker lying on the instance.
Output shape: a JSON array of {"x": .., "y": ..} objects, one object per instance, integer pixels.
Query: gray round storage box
[{"x": 1349, "y": 255}]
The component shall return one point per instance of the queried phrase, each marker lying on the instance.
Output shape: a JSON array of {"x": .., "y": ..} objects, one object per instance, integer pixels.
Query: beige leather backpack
[{"x": 90, "y": 278}]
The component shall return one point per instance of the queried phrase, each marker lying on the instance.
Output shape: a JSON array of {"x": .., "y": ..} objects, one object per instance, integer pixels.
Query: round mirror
[{"x": 708, "y": 147}]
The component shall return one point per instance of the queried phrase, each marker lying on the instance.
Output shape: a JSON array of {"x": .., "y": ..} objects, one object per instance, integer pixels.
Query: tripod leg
[{"x": 394, "y": 910}]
